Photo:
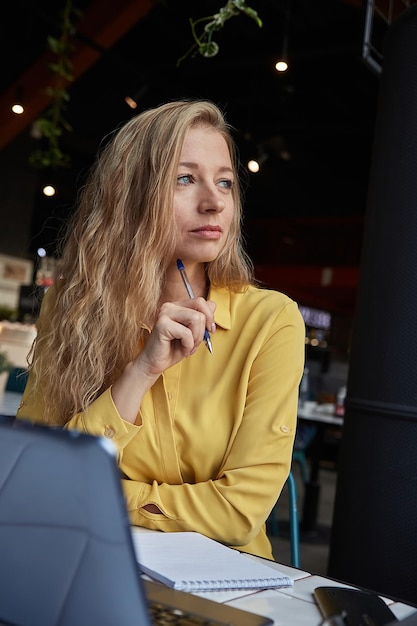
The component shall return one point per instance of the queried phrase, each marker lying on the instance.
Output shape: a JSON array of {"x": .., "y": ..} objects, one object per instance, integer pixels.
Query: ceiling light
[
  {"x": 17, "y": 106},
  {"x": 133, "y": 101},
  {"x": 253, "y": 166},
  {"x": 281, "y": 66},
  {"x": 129, "y": 101},
  {"x": 48, "y": 190}
]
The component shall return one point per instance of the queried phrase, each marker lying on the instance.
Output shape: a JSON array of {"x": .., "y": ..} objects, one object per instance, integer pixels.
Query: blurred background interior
[{"x": 93, "y": 64}]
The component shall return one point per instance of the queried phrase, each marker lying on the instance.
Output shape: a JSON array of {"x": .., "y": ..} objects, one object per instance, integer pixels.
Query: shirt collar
[{"x": 222, "y": 315}]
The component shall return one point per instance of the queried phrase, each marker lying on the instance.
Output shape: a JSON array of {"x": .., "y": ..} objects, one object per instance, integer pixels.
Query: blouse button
[
  {"x": 285, "y": 429},
  {"x": 109, "y": 432}
]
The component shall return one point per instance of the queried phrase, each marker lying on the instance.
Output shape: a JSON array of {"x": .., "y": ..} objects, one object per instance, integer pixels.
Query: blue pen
[{"x": 190, "y": 292}]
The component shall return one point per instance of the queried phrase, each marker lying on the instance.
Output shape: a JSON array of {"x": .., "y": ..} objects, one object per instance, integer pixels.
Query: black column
[{"x": 374, "y": 532}]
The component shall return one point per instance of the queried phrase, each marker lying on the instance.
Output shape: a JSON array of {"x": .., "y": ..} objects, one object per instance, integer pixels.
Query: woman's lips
[{"x": 208, "y": 232}]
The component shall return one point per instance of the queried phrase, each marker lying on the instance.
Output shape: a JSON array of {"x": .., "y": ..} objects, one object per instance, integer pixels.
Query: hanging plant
[
  {"x": 52, "y": 123},
  {"x": 204, "y": 41}
]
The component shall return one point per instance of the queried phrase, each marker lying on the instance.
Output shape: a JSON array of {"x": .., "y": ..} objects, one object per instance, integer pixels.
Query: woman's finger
[{"x": 178, "y": 322}]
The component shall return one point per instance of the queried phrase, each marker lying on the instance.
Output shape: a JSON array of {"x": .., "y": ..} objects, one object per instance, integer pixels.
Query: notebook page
[{"x": 192, "y": 562}]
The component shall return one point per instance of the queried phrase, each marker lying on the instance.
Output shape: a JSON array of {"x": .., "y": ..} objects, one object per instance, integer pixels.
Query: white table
[
  {"x": 322, "y": 414},
  {"x": 9, "y": 402},
  {"x": 290, "y": 606},
  {"x": 296, "y": 606}
]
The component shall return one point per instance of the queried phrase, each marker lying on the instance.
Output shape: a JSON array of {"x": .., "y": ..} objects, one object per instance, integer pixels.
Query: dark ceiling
[{"x": 304, "y": 212}]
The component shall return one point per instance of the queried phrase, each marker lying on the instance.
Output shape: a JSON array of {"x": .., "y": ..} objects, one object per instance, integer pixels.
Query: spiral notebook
[{"x": 189, "y": 561}]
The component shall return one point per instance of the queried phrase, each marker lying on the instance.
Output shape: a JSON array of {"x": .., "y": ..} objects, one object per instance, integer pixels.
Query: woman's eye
[
  {"x": 185, "y": 179},
  {"x": 226, "y": 183}
]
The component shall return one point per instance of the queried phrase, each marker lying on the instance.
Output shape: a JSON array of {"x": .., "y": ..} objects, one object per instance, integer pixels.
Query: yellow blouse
[{"x": 214, "y": 447}]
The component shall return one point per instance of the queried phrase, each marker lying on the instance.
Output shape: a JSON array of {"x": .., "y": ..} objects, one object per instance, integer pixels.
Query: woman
[{"x": 205, "y": 440}]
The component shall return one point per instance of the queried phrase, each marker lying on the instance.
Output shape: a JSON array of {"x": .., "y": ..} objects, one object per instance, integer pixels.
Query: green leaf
[
  {"x": 54, "y": 45},
  {"x": 209, "y": 49},
  {"x": 215, "y": 22}
]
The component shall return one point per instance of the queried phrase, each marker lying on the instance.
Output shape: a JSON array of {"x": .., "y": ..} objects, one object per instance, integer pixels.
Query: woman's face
[{"x": 203, "y": 199}]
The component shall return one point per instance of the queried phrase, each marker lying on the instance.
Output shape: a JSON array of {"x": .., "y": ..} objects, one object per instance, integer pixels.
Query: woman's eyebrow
[
  {"x": 192, "y": 165},
  {"x": 189, "y": 164}
]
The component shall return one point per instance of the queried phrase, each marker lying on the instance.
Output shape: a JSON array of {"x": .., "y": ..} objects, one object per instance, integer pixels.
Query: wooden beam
[{"x": 103, "y": 24}]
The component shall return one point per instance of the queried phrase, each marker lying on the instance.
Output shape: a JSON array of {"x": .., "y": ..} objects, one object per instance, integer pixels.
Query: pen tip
[{"x": 180, "y": 264}]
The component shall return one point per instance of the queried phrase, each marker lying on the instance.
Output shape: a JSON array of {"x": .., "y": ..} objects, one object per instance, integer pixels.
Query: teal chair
[
  {"x": 304, "y": 436},
  {"x": 17, "y": 379},
  {"x": 299, "y": 457},
  {"x": 294, "y": 522}
]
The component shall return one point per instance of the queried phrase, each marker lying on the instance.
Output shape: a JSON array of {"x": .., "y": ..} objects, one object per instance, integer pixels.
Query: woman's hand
[{"x": 178, "y": 331}]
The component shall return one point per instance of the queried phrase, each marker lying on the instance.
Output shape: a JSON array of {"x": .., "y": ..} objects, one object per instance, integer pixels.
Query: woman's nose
[{"x": 210, "y": 201}]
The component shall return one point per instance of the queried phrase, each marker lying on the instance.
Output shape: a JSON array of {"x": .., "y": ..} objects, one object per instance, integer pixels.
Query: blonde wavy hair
[{"x": 115, "y": 255}]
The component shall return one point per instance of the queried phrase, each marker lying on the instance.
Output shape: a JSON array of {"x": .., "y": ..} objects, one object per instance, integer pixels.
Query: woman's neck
[{"x": 174, "y": 288}]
